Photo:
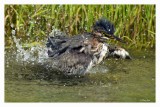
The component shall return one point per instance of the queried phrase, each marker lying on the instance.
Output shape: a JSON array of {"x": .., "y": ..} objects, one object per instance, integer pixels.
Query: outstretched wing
[
  {"x": 60, "y": 44},
  {"x": 66, "y": 54}
]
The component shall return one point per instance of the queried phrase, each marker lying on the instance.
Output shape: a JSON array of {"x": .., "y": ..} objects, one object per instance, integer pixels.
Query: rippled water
[{"x": 30, "y": 78}]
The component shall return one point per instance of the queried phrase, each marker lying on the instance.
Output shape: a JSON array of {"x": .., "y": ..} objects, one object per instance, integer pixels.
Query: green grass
[{"x": 134, "y": 23}]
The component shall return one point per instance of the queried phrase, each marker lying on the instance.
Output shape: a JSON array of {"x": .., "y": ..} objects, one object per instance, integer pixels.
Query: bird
[{"x": 76, "y": 55}]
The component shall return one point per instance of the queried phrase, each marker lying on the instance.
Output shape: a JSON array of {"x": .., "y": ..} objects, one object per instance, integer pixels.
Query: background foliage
[{"x": 134, "y": 23}]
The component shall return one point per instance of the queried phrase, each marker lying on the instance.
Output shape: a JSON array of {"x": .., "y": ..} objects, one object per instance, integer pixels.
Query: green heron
[{"x": 76, "y": 55}]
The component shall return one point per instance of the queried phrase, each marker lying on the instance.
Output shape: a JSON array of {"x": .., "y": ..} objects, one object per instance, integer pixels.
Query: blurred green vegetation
[{"x": 134, "y": 23}]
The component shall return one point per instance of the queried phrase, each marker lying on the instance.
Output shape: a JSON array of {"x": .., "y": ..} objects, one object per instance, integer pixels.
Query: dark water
[{"x": 112, "y": 81}]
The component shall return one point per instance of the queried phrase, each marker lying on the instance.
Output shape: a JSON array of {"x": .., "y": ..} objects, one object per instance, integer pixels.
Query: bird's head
[{"x": 104, "y": 30}]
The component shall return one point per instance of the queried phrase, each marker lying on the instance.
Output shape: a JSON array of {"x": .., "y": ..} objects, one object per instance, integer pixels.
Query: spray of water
[
  {"x": 35, "y": 54},
  {"x": 29, "y": 62}
]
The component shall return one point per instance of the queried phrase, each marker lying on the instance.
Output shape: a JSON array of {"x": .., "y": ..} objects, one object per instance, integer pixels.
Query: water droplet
[
  {"x": 27, "y": 34},
  {"x": 13, "y": 32},
  {"x": 12, "y": 25}
]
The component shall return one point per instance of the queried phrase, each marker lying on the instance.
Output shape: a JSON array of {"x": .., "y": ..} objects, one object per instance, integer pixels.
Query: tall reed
[{"x": 134, "y": 23}]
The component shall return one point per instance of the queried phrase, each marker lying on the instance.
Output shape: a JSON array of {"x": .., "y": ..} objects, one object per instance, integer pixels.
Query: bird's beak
[
  {"x": 111, "y": 36},
  {"x": 114, "y": 37},
  {"x": 118, "y": 39}
]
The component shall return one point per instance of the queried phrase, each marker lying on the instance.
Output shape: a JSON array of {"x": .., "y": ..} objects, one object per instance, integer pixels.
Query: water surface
[{"x": 111, "y": 81}]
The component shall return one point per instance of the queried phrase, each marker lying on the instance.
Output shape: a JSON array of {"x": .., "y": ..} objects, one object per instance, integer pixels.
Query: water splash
[{"x": 35, "y": 54}]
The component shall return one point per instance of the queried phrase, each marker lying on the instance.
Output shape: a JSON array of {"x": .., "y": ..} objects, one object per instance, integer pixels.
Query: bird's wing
[
  {"x": 56, "y": 45},
  {"x": 59, "y": 44}
]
